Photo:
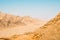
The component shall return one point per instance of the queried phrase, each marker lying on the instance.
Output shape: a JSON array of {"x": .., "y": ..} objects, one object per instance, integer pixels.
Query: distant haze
[{"x": 44, "y": 9}]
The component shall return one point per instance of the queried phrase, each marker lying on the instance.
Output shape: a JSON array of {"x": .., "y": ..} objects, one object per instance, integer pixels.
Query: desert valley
[{"x": 28, "y": 28}]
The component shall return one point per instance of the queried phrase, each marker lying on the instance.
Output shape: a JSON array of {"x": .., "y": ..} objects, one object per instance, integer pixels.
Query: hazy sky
[{"x": 35, "y": 8}]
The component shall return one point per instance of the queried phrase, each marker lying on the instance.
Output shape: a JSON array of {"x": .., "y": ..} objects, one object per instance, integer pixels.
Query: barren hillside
[
  {"x": 50, "y": 31},
  {"x": 11, "y": 25}
]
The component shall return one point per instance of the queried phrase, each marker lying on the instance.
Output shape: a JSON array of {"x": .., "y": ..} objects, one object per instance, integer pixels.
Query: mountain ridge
[{"x": 49, "y": 31}]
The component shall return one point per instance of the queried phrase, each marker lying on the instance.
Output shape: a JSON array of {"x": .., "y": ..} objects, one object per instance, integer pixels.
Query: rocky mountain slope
[
  {"x": 50, "y": 31},
  {"x": 11, "y": 25}
]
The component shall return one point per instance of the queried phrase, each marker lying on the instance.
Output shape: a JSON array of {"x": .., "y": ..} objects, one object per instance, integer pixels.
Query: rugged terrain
[
  {"x": 48, "y": 31},
  {"x": 16, "y": 25}
]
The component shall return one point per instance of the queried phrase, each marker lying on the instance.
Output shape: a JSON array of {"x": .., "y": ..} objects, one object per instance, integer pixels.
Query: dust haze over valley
[
  {"x": 28, "y": 28},
  {"x": 29, "y": 19},
  {"x": 11, "y": 25}
]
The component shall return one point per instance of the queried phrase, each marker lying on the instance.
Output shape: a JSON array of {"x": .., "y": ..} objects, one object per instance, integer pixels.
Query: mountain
[
  {"x": 49, "y": 31},
  {"x": 11, "y": 25}
]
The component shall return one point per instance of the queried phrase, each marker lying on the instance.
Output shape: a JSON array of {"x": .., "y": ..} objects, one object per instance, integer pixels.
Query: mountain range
[{"x": 47, "y": 31}]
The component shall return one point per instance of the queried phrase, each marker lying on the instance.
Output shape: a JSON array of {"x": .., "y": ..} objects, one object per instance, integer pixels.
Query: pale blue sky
[{"x": 45, "y": 9}]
